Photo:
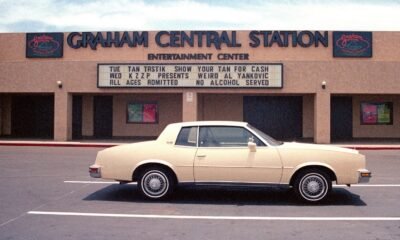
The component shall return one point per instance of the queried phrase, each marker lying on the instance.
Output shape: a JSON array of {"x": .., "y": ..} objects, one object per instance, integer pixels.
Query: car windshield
[{"x": 270, "y": 140}]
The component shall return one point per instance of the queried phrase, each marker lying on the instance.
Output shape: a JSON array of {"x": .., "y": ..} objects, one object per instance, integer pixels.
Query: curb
[
  {"x": 106, "y": 145},
  {"x": 55, "y": 144}
]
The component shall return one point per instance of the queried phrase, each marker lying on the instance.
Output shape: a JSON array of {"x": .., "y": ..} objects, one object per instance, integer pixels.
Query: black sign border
[
  {"x": 58, "y": 54},
  {"x": 346, "y": 56}
]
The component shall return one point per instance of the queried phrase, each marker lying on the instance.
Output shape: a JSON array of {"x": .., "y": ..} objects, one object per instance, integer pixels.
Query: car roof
[
  {"x": 211, "y": 123},
  {"x": 170, "y": 133}
]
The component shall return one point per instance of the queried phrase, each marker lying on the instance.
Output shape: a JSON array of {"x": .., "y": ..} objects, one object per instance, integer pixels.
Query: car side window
[
  {"x": 222, "y": 136},
  {"x": 187, "y": 137}
]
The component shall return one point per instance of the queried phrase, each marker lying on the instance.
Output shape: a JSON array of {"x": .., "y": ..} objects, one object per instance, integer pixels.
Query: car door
[
  {"x": 184, "y": 152},
  {"x": 223, "y": 156}
]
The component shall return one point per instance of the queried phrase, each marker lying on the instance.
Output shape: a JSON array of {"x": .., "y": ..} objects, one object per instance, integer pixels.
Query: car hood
[{"x": 309, "y": 146}]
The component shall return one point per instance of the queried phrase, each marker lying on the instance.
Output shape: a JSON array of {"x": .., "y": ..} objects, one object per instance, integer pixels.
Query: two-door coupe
[{"x": 228, "y": 153}]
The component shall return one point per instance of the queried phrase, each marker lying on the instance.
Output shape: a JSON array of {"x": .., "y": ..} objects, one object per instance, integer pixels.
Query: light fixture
[
  {"x": 59, "y": 83},
  {"x": 323, "y": 84}
]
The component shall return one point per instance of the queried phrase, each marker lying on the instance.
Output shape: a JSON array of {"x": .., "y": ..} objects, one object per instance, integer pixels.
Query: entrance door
[
  {"x": 341, "y": 118},
  {"x": 103, "y": 116},
  {"x": 279, "y": 117},
  {"x": 32, "y": 116},
  {"x": 77, "y": 117}
]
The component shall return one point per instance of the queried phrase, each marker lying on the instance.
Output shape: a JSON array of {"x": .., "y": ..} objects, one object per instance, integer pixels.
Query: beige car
[{"x": 228, "y": 153}]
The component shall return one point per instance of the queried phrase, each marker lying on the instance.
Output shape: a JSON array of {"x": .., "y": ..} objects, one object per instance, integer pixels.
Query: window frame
[
  {"x": 242, "y": 127},
  {"x": 197, "y": 137},
  {"x": 142, "y": 103},
  {"x": 390, "y": 106}
]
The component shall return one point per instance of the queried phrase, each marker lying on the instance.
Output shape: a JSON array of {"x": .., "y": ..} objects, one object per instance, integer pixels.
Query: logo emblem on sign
[
  {"x": 352, "y": 44},
  {"x": 44, "y": 44}
]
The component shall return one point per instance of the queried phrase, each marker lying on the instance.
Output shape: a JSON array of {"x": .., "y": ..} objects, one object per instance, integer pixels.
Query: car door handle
[{"x": 201, "y": 156}]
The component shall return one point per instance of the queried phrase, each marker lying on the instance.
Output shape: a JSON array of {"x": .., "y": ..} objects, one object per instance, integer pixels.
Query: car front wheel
[
  {"x": 156, "y": 183},
  {"x": 312, "y": 185}
]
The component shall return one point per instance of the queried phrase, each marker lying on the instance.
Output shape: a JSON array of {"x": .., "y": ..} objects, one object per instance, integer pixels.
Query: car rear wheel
[
  {"x": 312, "y": 185},
  {"x": 156, "y": 183}
]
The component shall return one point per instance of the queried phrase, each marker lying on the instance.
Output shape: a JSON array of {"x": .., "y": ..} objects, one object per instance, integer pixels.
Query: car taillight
[{"x": 365, "y": 174}]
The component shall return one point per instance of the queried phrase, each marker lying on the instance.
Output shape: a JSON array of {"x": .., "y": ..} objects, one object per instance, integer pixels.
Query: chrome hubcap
[
  {"x": 313, "y": 187},
  {"x": 155, "y": 184}
]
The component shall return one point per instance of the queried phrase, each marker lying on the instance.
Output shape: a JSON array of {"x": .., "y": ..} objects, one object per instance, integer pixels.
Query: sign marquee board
[{"x": 207, "y": 75}]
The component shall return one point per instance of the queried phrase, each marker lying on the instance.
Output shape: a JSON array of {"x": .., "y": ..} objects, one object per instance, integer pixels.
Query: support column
[
  {"x": 62, "y": 116},
  {"x": 87, "y": 116},
  {"x": 189, "y": 106},
  {"x": 308, "y": 116},
  {"x": 322, "y": 117}
]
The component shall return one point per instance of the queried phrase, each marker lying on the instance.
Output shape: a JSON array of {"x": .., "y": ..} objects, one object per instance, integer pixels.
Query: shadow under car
[{"x": 223, "y": 195}]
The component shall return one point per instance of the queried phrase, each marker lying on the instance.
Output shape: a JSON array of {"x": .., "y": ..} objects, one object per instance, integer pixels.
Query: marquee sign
[{"x": 211, "y": 75}]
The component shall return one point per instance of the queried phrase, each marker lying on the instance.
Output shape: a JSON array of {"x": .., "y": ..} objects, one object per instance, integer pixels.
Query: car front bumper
[
  {"x": 364, "y": 175},
  {"x": 95, "y": 171}
]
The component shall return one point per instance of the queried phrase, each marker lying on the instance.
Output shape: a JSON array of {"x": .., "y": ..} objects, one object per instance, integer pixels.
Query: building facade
[{"x": 293, "y": 85}]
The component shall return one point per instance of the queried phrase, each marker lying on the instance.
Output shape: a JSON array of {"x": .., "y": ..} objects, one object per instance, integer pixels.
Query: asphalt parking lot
[{"x": 46, "y": 194}]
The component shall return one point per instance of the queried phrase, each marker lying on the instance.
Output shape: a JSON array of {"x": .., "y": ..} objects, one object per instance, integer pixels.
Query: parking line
[
  {"x": 370, "y": 185},
  {"x": 336, "y": 186},
  {"x": 194, "y": 217}
]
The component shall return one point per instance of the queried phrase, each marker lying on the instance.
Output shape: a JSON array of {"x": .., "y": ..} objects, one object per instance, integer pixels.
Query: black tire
[
  {"x": 156, "y": 183},
  {"x": 312, "y": 185}
]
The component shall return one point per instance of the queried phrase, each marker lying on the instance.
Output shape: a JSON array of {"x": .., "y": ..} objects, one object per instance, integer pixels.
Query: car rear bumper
[
  {"x": 95, "y": 171},
  {"x": 364, "y": 175}
]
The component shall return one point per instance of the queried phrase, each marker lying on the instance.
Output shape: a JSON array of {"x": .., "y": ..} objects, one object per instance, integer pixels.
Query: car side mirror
[{"x": 252, "y": 146}]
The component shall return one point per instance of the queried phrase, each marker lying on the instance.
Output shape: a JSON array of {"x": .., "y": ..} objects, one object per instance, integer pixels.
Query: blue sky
[{"x": 109, "y": 15}]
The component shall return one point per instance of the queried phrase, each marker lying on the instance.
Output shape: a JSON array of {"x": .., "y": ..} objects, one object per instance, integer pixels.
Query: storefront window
[
  {"x": 142, "y": 113},
  {"x": 377, "y": 113}
]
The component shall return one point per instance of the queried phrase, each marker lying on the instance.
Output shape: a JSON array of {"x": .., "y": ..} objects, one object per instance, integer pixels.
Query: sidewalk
[{"x": 111, "y": 143}]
